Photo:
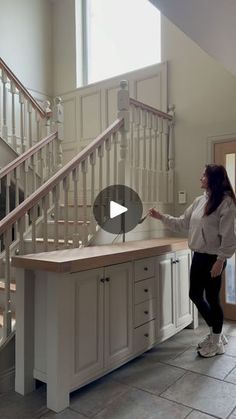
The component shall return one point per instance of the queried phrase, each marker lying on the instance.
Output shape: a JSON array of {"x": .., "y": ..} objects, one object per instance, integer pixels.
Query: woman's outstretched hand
[{"x": 155, "y": 214}]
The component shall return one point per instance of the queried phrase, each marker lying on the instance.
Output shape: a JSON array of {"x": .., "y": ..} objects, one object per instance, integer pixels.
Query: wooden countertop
[{"x": 76, "y": 260}]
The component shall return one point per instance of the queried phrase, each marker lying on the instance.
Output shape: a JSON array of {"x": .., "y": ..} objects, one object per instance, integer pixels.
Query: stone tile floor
[{"x": 170, "y": 381}]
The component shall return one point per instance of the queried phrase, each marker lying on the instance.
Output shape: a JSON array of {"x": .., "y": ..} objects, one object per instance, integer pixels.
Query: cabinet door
[
  {"x": 118, "y": 313},
  {"x": 165, "y": 269},
  {"x": 183, "y": 303},
  {"x": 88, "y": 324}
]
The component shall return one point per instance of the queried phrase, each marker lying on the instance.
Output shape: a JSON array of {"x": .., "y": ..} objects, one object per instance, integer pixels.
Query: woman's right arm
[{"x": 174, "y": 223}]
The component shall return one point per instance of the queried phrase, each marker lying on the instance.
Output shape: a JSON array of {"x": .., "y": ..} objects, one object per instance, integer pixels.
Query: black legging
[{"x": 200, "y": 281}]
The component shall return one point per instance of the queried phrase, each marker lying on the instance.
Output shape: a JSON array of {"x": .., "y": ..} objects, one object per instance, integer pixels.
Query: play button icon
[{"x": 117, "y": 209}]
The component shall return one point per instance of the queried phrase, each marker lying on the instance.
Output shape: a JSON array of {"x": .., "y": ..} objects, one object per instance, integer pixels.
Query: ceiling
[{"x": 210, "y": 23}]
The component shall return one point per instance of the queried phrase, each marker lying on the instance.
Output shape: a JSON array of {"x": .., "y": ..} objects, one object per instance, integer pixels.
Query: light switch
[{"x": 182, "y": 197}]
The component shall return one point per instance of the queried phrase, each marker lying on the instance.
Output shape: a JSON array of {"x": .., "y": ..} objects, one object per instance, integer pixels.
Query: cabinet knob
[
  {"x": 173, "y": 261},
  {"x": 145, "y": 289},
  {"x": 145, "y": 268},
  {"x": 146, "y": 335},
  {"x": 145, "y": 311},
  {"x": 177, "y": 261},
  {"x": 102, "y": 280},
  {"x": 107, "y": 279}
]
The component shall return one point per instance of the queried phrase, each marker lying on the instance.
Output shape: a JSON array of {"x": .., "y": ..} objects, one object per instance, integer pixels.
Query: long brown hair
[{"x": 218, "y": 187}]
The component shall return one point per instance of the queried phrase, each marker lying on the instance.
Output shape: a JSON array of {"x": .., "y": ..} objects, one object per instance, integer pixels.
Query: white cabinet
[
  {"x": 174, "y": 306},
  {"x": 102, "y": 319}
]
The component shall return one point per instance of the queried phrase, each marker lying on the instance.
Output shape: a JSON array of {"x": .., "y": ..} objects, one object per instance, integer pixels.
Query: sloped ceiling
[{"x": 210, "y": 23}]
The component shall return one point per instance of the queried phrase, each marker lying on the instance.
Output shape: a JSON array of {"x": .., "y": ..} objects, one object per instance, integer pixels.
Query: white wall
[
  {"x": 64, "y": 46},
  {"x": 25, "y": 42},
  {"x": 205, "y": 97}
]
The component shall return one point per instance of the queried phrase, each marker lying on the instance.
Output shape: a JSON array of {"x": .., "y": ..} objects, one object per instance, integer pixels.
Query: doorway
[{"x": 225, "y": 154}]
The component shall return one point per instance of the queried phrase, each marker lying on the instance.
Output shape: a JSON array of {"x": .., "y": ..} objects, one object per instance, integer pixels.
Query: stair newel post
[
  {"x": 22, "y": 126},
  {"x": 7, "y": 307},
  {"x": 47, "y": 123},
  {"x": 144, "y": 139},
  {"x": 160, "y": 160},
  {"x": 66, "y": 185},
  {"x": 75, "y": 180},
  {"x": 13, "y": 116},
  {"x": 4, "y": 106},
  {"x": 150, "y": 177},
  {"x": 123, "y": 113},
  {"x": 84, "y": 170},
  {"x": 92, "y": 161},
  {"x": 156, "y": 159},
  {"x": 58, "y": 120},
  {"x": 137, "y": 120},
  {"x": 171, "y": 161},
  {"x": 165, "y": 159}
]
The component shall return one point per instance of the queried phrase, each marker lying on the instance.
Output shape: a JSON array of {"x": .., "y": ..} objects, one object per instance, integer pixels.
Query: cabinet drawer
[
  {"x": 144, "y": 312},
  {"x": 144, "y": 290},
  {"x": 143, "y": 269},
  {"x": 144, "y": 336}
]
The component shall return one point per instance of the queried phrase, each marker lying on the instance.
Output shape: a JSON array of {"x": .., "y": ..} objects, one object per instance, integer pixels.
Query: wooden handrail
[
  {"x": 43, "y": 190},
  {"x": 27, "y": 154},
  {"x": 23, "y": 89},
  {"x": 148, "y": 108}
]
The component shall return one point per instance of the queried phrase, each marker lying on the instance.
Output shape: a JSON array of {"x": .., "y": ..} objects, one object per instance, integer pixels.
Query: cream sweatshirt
[{"x": 213, "y": 234}]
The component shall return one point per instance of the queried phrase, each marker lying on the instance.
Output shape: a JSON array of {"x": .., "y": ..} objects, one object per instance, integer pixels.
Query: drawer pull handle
[
  {"x": 145, "y": 289},
  {"x": 146, "y": 312},
  {"x": 146, "y": 268},
  {"x": 146, "y": 335}
]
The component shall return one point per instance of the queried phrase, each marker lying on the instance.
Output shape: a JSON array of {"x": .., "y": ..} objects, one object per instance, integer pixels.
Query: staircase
[{"x": 53, "y": 203}]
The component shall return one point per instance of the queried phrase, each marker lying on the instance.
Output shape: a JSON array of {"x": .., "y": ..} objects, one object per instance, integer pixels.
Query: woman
[{"x": 211, "y": 236}]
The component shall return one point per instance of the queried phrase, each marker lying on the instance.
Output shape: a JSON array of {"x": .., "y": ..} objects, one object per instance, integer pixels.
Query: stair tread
[
  {"x": 79, "y": 206},
  {"x": 41, "y": 239},
  {"x": 69, "y": 222}
]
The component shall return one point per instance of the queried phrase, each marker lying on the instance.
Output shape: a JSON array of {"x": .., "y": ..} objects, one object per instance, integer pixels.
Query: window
[{"x": 118, "y": 37}]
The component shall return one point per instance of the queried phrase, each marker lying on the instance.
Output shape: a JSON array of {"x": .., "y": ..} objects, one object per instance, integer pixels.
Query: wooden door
[{"x": 225, "y": 154}]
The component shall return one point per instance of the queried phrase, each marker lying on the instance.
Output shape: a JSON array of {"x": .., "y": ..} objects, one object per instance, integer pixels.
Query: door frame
[{"x": 211, "y": 142}]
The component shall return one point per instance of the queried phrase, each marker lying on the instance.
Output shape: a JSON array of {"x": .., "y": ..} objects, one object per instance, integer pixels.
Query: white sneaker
[
  {"x": 212, "y": 349},
  {"x": 208, "y": 339}
]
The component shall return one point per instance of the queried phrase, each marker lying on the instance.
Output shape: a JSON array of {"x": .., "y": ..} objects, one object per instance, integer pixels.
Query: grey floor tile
[
  {"x": 230, "y": 328},
  {"x": 231, "y": 378},
  {"x": 94, "y": 397},
  {"x": 217, "y": 367},
  {"x": 137, "y": 404},
  {"x": 230, "y": 348},
  {"x": 15, "y": 406},
  {"x": 199, "y": 415},
  {"x": 66, "y": 414},
  {"x": 206, "y": 394},
  {"x": 153, "y": 377}
]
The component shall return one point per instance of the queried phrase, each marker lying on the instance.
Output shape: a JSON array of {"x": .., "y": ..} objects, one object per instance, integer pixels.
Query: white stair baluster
[
  {"x": 84, "y": 169},
  {"x": 92, "y": 161},
  {"x": 100, "y": 156},
  {"x": 4, "y": 107},
  {"x": 29, "y": 111},
  {"x": 108, "y": 166},
  {"x": 7, "y": 307},
  {"x": 8, "y": 186},
  {"x": 115, "y": 159},
  {"x": 33, "y": 218},
  {"x": 165, "y": 159},
  {"x": 137, "y": 150},
  {"x": 13, "y": 116},
  {"x": 160, "y": 160},
  {"x": 22, "y": 127},
  {"x": 144, "y": 168},
  {"x": 156, "y": 159},
  {"x": 150, "y": 173},
  {"x": 66, "y": 185},
  {"x": 75, "y": 179},
  {"x": 56, "y": 215},
  {"x": 45, "y": 206}
]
